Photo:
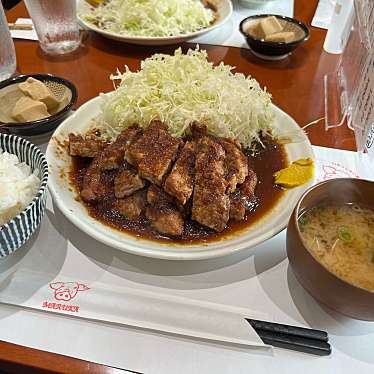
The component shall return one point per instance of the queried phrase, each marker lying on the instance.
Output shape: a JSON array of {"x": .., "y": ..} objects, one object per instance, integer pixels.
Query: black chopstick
[
  {"x": 289, "y": 330},
  {"x": 292, "y": 337},
  {"x": 295, "y": 343}
]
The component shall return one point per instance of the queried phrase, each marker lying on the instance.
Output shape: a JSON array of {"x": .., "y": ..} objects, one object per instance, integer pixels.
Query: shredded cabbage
[
  {"x": 150, "y": 17},
  {"x": 182, "y": 88}
]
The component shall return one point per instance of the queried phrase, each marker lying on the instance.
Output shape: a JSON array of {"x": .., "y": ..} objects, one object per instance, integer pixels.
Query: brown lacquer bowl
[{"x": 323, "y": 285}]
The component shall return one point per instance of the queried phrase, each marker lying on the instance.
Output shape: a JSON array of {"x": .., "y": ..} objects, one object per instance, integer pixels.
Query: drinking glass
[
  {"x": 56, "y": 24},
  {"x": 7, "y": 51}
]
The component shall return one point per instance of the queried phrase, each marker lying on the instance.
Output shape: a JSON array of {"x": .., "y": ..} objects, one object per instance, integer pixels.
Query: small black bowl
[
  {"x": 275, "y": 50},
  {"x": 59, "y": 86}
]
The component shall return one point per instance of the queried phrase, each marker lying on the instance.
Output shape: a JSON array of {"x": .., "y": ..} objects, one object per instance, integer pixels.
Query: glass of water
[
  {"x": 56, "y": 24},
  {"x": 7, "y": 51}
]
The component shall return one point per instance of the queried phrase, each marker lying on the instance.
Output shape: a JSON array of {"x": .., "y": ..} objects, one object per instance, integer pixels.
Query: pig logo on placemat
[
  {"x": 65, "y": 291},
  {"x": 337, "y": 171},
  {"x": 332, "y": 170}
]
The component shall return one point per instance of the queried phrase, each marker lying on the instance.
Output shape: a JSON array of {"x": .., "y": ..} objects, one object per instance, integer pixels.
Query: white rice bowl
[{"x": 18, "y": 186}]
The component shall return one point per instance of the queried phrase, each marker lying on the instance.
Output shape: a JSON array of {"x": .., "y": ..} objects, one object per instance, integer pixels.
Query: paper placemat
[{"x": 334, "y": 163}]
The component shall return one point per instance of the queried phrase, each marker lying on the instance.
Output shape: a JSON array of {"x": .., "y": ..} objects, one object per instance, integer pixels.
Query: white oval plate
[
  {"x": 224, "y": 11},
  {"x": 276, "y": 220}
]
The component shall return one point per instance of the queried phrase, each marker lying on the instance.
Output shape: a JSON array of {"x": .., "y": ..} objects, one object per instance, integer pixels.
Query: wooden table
[{"x": 296, "y": 84}]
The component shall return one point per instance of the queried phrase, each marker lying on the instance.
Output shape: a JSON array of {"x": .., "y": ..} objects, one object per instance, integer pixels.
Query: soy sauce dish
[
  {"x": 330, "y": 246},
  {"x": 273, "y": 37}
]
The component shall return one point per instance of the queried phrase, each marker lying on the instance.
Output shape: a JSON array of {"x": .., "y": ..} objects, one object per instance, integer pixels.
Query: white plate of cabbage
[
  {"x": 179, "y": 89},
  {"x": 154, "y": 22}
]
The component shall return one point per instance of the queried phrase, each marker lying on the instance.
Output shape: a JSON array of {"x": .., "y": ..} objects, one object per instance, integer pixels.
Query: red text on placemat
[{"x": 58, "y": 306}]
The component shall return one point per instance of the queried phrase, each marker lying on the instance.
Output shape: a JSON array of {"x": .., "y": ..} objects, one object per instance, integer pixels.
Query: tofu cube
[
  {"x": 269, "y": 25},
  {"x": 37, "y": 90},
  {"x": 286, "y": 36},
  {"x": 27, "y": 109},
  {"x": 252, "y": 28}
]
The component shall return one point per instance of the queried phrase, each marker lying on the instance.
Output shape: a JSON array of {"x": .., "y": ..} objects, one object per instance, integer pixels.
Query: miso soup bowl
[{"x": 323, "y": 285}]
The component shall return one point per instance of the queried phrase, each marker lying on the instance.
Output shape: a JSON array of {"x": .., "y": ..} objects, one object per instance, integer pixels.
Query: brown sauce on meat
[{"x": 265, "y": 163}]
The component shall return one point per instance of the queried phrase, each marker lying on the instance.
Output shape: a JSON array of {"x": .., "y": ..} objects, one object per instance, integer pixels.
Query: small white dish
[
  {"x": 224, "y": 11},
  {"x": 59, "y": 163}
]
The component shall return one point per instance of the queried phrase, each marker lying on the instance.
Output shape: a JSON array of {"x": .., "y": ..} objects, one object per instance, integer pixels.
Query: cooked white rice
[{"x": 18, "y": 186}]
